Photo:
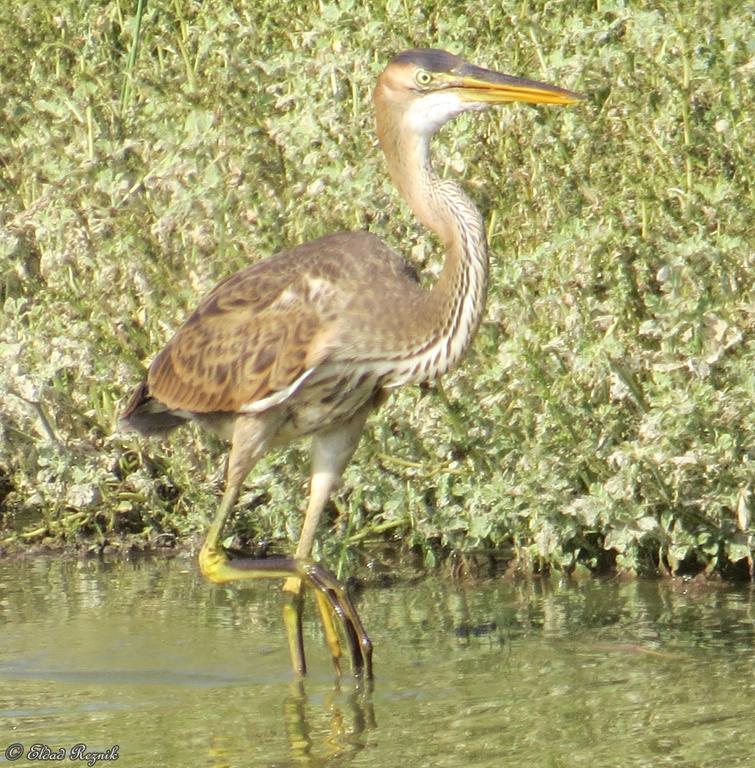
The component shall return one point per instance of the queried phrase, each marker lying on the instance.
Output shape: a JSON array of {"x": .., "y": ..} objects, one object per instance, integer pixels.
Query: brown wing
[
  {"x": 263, "y": 328},
  {"x": 254, "y": 335}
]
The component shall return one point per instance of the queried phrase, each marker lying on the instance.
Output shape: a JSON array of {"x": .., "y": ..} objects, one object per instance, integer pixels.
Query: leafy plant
[{"x": 604, "y": 419}]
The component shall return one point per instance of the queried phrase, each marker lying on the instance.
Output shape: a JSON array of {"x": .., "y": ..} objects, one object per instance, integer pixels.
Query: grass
[{"x": 603, "y": 421}]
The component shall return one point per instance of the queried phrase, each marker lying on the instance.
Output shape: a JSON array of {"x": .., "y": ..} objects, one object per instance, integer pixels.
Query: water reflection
[
  {"x": 148, "y": 656},
  {"x": 351, "y": 715}
]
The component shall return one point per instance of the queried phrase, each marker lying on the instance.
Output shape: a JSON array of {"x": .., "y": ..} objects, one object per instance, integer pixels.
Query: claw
[
  {"x": 340, "y": 603},
  {"x": 220, "y": 569}
]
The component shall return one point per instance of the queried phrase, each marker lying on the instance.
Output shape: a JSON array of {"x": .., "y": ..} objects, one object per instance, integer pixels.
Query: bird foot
[
  {"x": 213, "y": 562},
  {"x": 333, "y": 601}
]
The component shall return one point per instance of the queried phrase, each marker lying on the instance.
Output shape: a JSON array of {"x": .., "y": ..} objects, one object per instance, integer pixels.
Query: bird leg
[
  {"x": 320, "y": 487},
  {"x": 331, "y": 451},
  {"x": 250, "y": 439}
]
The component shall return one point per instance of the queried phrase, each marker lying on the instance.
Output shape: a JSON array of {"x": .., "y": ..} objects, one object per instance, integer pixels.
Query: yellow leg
[
  {"x": 293, "y": 605},
  {"x": 292, "y": 619},
  {"x": 331, "y": 451},
  {"x": 332, "y": 598},
  {"x": 321, "y": 485},
  {"x": 329, "y": 628}
]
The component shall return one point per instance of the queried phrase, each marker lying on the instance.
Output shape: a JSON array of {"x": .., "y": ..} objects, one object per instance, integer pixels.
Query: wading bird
[{"x": 309, "y": 341}]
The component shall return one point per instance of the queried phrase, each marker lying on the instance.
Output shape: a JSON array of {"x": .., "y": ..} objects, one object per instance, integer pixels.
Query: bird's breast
[{"x": 333, "y": 394}]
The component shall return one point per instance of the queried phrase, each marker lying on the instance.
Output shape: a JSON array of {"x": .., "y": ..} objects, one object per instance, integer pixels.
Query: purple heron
[{"x": 311, "y": 340}]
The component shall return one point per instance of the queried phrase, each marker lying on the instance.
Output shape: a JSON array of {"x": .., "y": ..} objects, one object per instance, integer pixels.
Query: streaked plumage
[
  {"x": 308, "y": 341},
  {"x": 287, "y": 332}
]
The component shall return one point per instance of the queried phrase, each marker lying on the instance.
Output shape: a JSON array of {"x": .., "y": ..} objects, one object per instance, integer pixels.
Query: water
[{"x": 148, "y": 657}]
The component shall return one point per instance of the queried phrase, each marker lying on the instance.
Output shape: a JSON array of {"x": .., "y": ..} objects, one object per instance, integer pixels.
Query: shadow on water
[{"x": 147, "y": 656}]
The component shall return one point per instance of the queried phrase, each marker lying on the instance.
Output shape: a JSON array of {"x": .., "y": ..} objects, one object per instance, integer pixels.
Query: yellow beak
[{"x": 488, "y": 87}]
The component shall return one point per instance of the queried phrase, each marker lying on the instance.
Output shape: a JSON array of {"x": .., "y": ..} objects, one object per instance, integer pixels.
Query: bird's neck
[{"x": 451, "y": 313}]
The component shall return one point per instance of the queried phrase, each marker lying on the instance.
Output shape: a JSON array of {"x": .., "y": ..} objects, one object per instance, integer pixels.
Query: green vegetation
[{"x": 605, "y": 416}]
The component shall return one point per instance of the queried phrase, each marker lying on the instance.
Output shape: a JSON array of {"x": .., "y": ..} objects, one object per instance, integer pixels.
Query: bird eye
[{"x": 423, "y": 78}]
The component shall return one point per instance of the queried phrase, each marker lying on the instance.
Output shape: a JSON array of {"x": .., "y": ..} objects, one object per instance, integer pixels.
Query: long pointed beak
[{"x": 484, "y": 86}]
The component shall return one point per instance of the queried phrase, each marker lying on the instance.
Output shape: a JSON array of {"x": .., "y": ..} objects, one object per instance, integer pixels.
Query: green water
[{"x": 147, "y": 656}]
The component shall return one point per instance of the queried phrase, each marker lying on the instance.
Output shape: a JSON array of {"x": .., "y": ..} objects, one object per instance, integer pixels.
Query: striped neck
[{"x": 447, "y": 320}]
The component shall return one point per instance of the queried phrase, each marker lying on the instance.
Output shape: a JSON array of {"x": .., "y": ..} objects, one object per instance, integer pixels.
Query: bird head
[{"x": 422, "y": 89}]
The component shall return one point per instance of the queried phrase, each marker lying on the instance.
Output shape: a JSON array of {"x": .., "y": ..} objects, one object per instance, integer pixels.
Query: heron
[{"x": 309, "y": 341}]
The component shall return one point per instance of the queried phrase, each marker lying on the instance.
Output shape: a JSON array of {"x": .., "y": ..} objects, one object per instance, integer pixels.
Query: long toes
[{"x": 338, "y": 599}]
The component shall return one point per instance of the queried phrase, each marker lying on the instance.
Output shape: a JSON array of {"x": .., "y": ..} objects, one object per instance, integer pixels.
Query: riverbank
[{"x": 604, "y": 419}]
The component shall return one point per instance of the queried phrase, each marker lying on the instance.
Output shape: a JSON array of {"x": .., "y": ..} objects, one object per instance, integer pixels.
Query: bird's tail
[{"x": 149, "y": 416}]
